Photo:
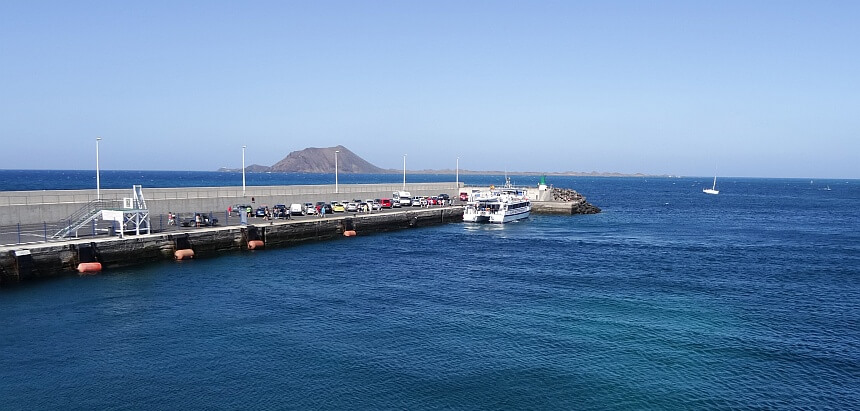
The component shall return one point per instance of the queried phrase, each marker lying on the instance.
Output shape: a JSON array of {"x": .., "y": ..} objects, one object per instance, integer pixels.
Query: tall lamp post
[
  {"x": 458, "y": 173},
  {"x": 335, "y": 170},
  {"x": 98, "y": 180},
  {"x": 243, "y": 171},
  {"x": 404, "y": 172}
]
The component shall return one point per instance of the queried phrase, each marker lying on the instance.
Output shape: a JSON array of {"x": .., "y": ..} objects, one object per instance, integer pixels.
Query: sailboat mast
[{"x": 715, "y": 183}]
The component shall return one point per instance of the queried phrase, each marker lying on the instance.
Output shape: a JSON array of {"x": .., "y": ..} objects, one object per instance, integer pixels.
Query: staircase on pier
[{"x": 131, "y": 212}]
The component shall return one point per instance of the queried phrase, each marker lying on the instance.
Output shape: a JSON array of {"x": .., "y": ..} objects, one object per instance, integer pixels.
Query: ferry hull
[
  {"x": 500, "y": 218},
  {"x": 471, "y": 216}
]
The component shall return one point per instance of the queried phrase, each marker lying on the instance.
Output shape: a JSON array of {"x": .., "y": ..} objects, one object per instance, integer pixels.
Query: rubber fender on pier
[
  {"x": 89, "y": 267},
  {"x": 255, "y": 244},
  {"x": 349, "y": 233},
  {"x": 185, "y": 254}
]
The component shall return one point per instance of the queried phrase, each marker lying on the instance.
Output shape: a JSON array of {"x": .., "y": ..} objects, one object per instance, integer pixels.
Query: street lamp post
[
  {"x": 98, "y": 180},
  {"x": 243, "y": 171},
  {"x": 458, "y": 173},
  {"x": 335, "y": 170},
  {"x": 404, "y": 172}
]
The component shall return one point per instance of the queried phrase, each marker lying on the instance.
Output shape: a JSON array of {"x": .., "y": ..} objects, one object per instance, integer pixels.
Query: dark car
[
  {"x": 261, "y": 212},
  {"x": 444, "y": 197},
  {"x": 280, "y": 211},
  {"x": 199, "y": 219}
]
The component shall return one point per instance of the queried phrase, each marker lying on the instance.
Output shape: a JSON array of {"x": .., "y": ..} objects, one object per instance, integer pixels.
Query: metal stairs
[
  {"x": 84, "y": 216},
  {"x": 139, "y": 201},
  {"x": 129, "y": 212}
]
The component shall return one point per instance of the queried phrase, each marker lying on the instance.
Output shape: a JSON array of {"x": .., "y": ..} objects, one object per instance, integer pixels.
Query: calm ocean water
[{"x": 669, "y": 299}]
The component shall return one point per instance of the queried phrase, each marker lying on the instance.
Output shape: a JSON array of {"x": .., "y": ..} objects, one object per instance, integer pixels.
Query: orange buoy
[
  {"x": 349, "y": 233},
  {"x": 89, "y": 267},
  {"x": 255, "y": 244},
  {"x": 183, "y": 254}
]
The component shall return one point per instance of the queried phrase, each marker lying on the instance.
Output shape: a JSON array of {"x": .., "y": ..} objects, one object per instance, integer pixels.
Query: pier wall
[
  {"x": 564, "y": 207},
  {"x": 36, "y": 207},
  {"x": 34, "y": 261}
]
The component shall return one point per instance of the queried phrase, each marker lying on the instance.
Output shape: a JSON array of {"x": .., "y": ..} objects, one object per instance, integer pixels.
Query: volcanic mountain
[{"x": 321, "y": 160}]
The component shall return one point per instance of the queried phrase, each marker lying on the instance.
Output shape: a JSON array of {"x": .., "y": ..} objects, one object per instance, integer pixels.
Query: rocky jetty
[{"x": 579, "y": 206}]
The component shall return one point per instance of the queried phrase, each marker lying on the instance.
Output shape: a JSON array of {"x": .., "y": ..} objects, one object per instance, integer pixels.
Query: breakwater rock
[{"x": 578, "y": 204}]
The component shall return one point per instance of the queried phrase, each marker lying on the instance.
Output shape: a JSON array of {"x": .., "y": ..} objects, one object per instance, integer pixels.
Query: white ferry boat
[{"x": 497, "y": 206}]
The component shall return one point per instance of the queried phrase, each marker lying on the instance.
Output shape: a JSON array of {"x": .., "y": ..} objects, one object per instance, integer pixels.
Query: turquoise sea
[{"x": 668, "y": 299}]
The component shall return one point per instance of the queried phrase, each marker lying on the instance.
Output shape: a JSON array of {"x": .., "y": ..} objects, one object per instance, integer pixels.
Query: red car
[{"x": 385, "y": 202}]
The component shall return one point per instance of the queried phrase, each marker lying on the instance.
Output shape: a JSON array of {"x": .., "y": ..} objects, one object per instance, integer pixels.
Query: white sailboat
[{"x": 712, "y": 190}]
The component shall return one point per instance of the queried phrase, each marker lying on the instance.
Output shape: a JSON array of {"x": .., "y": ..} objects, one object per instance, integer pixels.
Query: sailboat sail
[{"x": 712, "y": 190}]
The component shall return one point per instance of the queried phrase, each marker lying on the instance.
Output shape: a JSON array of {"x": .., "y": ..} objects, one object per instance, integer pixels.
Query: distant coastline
[
  {"x": 263, "y": 169},
  {"x": 537, "y": 173},
  {"x": 327, "y": 159}
]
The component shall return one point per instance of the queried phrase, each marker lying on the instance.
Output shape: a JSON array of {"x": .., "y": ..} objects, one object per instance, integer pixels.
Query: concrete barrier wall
[{"x": 36, "y": 207}]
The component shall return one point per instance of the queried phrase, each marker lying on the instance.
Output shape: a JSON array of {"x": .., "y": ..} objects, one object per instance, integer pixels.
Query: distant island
[
  {"x": 317, "y": 160},
  {"x": 321, "y": 160}
]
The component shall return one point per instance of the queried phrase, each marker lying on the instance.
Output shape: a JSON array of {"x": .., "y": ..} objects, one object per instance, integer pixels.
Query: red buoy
[
  {"x": 349, "y": 233},
  {"x": 255, "y": 244},
  {"x": 89, "y": 267},
  {"x": 183, "y": 254}
]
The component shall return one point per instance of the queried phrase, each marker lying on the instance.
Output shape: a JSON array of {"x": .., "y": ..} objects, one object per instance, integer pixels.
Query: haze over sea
[{"x": 668, "y": 299}]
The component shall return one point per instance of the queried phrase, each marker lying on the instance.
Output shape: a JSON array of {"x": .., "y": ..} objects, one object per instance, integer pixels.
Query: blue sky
[{"x": 751, "y": 88}]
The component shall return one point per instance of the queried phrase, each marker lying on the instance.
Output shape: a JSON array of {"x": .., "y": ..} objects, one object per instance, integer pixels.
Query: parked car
[
  {"x": 338, "y": 208},
  {"x": 261, "y": 212},
  {"x": 352, "y": 207},
  {"x": 385, "y": 203},
  {"x": 417, "y": 201},
  {"x": 444, "y": 197},
  {"x": 238, "y": 209},
  {"x": 403, "y": 198},
  {"x": 297, "y": 209},
  {"x": 280, "y": 211},
  {"x": 309, "y": 208},
  {"x": 203, "y": 220},
  {"x": 464, "y": 196}
]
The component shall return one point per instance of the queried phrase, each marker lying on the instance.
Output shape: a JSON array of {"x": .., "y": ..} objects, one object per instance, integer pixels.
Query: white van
[
  {"x": 297, "y": 209},
  {"x": 403, "y": 197}
]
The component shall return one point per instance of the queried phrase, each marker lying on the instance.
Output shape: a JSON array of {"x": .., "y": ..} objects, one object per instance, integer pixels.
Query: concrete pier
[{"x": 28, "y": 262}]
